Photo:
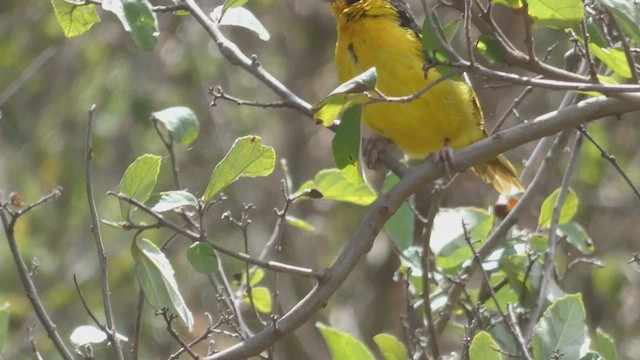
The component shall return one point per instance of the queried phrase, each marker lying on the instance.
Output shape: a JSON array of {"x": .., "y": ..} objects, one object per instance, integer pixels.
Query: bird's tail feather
[{"x": 501, "y": 173}]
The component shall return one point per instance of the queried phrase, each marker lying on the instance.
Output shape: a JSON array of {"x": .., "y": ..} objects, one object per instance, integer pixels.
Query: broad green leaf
[
  {"x": 450, "y": 29},
  {"x": 390, "y": 347},
  {"x": 627, "y": 15},
  {"x": 246, "y": 158},
  {"x": 228, "y": 4},
  {"x": 239, "y": 16},
  {"x": 577, "y": 236},
  {"x": 299, "y": 223},
  {"x": 169, "y": 200},
  {"x": 401, "y": 225},
  {"x": 591, "y": 355},
  {"x": 569, "y": 208},
  {"x": 346, "y": 145},
  {"x": 181, "y": 122},
  {"x": 615, "y": 59},
  {"x": 484, "y": 347},
  {"x": 491, "y": 49},
  {"x": 561, "y": 330},
  {"x": 514, "y": 4},
  {"x": 157, "y": 280},
  {"x": 139, "y": 180},
  {"x": 603, "y": 344},
  {"x": 89, "y": 334},
  {"x": 257, "y": 274},
  {"x": 4, "y": 324},
  {"x": 433, "y": 50},
  {"x": 335, "y": 186},
  {"x": 559, "y": 14},
  {"x": 514, "y": 267},
  {"x": 202, "y": 257},
  {"x": 261, "y": 299},
  {"x": 74, "y": 19},
  {"x": 343, "y": 346},
  {"x": 447, "y": 236},
  {"x": 345, "y": 96},
  {"x": 138, "y": 18}
]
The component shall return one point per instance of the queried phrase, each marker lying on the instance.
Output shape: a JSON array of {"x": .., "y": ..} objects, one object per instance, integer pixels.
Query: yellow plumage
[{"x": 383, "y": 34}]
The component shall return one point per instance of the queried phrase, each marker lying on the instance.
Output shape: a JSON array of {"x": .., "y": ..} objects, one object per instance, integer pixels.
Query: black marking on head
[
  {"x": 351, "y": 2},
  {"x": 352, "y": 52}
]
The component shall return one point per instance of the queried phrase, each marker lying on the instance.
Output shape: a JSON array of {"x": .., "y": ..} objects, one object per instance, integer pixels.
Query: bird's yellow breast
[{"x": 374, "y": 38}]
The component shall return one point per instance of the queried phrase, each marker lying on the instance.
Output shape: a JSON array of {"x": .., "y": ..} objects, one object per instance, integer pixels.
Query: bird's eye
[{"x": 351, "y": 2}]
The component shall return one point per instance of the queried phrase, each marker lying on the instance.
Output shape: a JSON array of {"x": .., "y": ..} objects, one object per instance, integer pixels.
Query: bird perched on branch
[{"x": 384, "y": 34}]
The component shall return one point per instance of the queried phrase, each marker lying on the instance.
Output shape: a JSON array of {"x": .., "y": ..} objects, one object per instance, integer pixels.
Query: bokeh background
[{"x": 48, "y": 83}]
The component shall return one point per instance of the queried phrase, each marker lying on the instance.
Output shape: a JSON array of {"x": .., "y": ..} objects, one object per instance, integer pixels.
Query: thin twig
[
  {"x": 627, "y": 48},
  {"x": 411, "y": 97},
  {"x": 168, "y": 143},
  {"x": 27, "y": 281},
  {"x": 611, "y": 159},
  {"x": 593, "y": 73},
  {"x": 434, "y": 207},
  {"x": 218, "y": 93},
  {"x": 513, "y": 326},
  {"x": 27, "y": 74},
  {"x": 549, "y": 261},
  {"x": 271, "y": 265},
  {"x": 528, "y": 36},
  {"x": 32, "y": 341},
  {"x": 168, "y": 318},
  {"x": 97, "y": 236},
  {"x": 137, "y": 331}
]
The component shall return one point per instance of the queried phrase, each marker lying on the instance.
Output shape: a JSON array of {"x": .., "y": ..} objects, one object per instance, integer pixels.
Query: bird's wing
[{"x": 407, "y": 20}]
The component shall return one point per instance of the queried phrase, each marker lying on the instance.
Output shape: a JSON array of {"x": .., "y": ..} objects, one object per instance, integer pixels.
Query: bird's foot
[
  {"x": 372, "y": 149},
  {"x": 445, "y": 156}
]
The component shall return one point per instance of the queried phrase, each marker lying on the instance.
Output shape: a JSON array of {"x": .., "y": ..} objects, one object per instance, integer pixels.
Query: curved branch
[
  {"x": 235, "y": 56},
  {"x": 362, "y": 240}
]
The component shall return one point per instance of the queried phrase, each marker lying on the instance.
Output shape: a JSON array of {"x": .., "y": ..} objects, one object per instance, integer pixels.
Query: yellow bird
[{"x": 383, "y": 34}]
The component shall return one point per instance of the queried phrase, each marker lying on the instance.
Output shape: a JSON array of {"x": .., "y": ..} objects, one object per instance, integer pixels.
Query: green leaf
[
  {"x": 256, "y": 276},
  {"x": 345, "y": 96},
  {"x": 299, "y": 223},
  {"x": 346, "y": 145},
  {"x": 592, "y": 356},
  {"x": 89, "y": 334},
  {"x": 157, "y": 280},
  {"x": 169, "y": 200},
  {"x": 390, "y": 347},
  {"x": 181, "y": 122},
  {"x": 246, "y": 158},
  {"x": 614, "y": 58},
  {"x": 137, "y": 17},
  {"x": 447, "y": 236},
  {"x": 139, "y": 180},
  {"x": 577, "y": 236},
  {"x": 514, "y": 4},
  {"x": 432, "y": 48},
  {"x": 569, "y": 208},
  {"x": 74, "y": 19},
  {"x": 559, "y": 14},
  {"x": 202, "y": 257},
  {"x": 627, "y": 15},
  {"x": 561, "y": 329},
  {"x": 603, "y": 344},
  {"x": 401, "y": 225},
  {"x": 484, "y": 347},
  {"x": 491, "y": 49},
  {"x": 335, "y": 186},
  {"x": 228, "y": 4},
  {"x": 261, "y": 299},
  {"x": 238, "y": 16},
  {"x": 343, "y": 346},
  {"x": 4, "y": 324}
]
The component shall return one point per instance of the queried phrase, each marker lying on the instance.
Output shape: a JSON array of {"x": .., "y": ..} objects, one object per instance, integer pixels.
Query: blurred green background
[{"x": 48, "y": 83}]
